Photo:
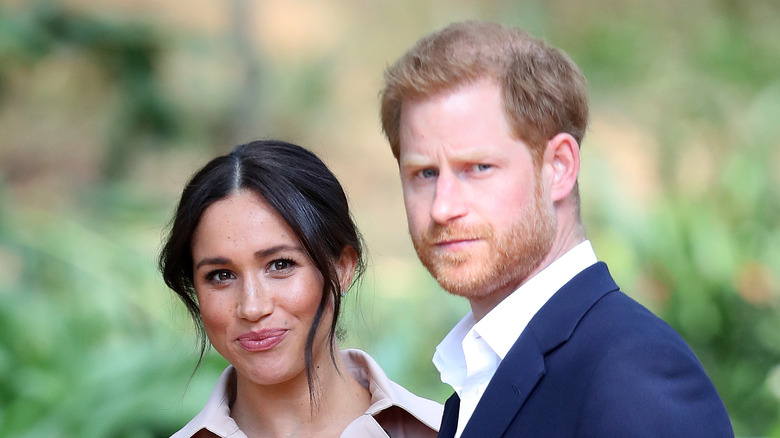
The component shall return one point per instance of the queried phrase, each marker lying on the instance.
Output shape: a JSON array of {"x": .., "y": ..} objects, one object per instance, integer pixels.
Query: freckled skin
[{"x": 259, "y": 278}]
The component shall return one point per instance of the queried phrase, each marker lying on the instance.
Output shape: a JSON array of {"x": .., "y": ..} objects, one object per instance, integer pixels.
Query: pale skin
[
  {"x": 252, "y": 276},
  {"x": 460, "y": 165}
]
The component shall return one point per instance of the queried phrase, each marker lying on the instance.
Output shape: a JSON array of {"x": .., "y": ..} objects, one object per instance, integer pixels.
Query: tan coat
[{"x": 394, "y": 411}]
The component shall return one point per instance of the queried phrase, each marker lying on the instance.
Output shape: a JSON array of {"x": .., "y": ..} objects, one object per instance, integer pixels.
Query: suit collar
[
  {"x": 556, "y": 321},
  {"x": 523, "y": 366}
]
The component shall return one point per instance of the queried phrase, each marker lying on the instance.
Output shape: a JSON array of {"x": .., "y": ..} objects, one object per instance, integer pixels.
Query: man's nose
[
  {"x": 255, "y": 300},
  {"x": 448, "y": 201}
]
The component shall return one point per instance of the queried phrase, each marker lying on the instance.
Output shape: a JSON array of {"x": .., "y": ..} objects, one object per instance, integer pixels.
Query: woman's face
[{"x": 257, "y": 289}]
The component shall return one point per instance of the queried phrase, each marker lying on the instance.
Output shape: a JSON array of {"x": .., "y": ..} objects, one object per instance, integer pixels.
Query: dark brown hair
[{"x": 302, "y": 190}]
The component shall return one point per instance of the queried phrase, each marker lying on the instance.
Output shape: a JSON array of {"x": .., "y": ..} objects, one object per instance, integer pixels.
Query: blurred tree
[{"x": 126, "y": 53}]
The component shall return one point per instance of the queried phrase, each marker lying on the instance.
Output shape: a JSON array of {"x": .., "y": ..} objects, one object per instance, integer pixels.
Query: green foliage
[{"x": 86, "y": 348}]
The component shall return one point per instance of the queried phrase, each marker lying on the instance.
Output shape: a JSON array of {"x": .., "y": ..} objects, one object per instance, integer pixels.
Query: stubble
[{"x": 509, "y": 257}]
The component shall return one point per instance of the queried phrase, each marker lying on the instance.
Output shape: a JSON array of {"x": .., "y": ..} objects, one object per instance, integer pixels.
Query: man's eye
[
  {"x": 482, "y": 167},
  {"x": 427, "y": 173}
]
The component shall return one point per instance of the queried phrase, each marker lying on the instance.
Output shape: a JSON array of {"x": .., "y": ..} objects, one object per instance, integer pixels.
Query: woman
[{"x": 261, "y": 250}]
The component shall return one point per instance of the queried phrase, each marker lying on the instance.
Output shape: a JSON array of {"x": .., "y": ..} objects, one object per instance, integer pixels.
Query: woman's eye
[
  {"x": 220, "y": 276},
  {"x": 281, "y": 264}
]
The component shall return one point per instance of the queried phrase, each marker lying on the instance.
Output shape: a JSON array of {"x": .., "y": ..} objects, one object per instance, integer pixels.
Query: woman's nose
[{"x": 255, "y": 301}]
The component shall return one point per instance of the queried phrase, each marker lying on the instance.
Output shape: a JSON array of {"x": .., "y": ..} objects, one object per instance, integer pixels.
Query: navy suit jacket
[{"x": 595, "y": 363}]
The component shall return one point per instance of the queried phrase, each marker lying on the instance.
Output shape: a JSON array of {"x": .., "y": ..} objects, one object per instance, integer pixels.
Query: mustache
[{"x": 436, "y": 234}]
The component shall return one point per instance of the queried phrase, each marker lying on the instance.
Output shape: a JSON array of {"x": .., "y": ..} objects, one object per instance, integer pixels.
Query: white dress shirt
[{"x": 471, "y": 352}]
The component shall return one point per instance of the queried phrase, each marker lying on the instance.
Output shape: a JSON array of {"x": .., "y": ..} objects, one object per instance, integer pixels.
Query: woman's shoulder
[
  {"x": 391, "y": 402},
  {"x": 214, "y": 419}
]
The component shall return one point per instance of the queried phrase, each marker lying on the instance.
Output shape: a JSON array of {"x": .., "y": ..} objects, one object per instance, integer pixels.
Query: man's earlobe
[{"x": 563, "y": 155}]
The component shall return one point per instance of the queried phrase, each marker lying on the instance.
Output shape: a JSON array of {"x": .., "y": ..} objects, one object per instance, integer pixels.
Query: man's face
[{"x": 478, "y": 213}]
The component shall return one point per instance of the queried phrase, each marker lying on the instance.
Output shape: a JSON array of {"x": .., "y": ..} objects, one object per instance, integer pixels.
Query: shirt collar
[
  {"x": 501, "y": 327},
  {"x": 215, "y": 416},
  {"x": 449, "y": 358}
]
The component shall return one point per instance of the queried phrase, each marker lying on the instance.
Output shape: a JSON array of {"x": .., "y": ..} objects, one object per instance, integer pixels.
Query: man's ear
[
  {"x": 346, "y": 267},
  {"x": 562, "y": 163}
]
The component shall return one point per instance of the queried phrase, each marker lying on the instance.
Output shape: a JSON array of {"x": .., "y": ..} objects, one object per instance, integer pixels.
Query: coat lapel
[
  {"x": 508, "y": 389},
  {"x": 449, "y": 421},
  {"x": 523, "y": 366}
]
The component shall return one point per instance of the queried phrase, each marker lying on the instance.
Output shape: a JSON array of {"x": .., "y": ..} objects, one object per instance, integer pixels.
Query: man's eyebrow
[
  {"x": 414, "y": 160},
  {"x": 419, "y": 160}
]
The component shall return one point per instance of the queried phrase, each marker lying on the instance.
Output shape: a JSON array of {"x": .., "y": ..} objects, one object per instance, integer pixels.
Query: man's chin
[
  {"x": 476, "y": 283},
  {"x": 467, "y": 286},
  {"x": 459, "y": 273}
]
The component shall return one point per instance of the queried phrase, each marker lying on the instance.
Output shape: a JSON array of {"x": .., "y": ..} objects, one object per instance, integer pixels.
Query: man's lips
[
  {"x": 455, "y": 243},
  {"x": 261, "y": 340}
]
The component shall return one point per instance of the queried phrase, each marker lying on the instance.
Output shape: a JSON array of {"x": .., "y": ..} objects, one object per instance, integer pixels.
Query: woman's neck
[{"x": 285, "y": 410}]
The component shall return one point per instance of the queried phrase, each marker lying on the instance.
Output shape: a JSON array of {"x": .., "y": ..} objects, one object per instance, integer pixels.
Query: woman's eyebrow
[
  {"x": 258, "y": 254},
  {"x": 275, "y": 249},
  {"x": 212, "y": 261}
]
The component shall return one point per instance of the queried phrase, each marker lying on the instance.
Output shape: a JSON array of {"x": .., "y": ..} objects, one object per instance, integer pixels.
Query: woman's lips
[{"x": 262, "y": 340}]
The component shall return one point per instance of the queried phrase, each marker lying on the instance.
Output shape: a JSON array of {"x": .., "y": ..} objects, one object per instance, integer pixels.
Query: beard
[{"x": 510, "y": 257}]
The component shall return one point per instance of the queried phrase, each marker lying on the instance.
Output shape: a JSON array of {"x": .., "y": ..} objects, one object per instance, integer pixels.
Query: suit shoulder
[
  {"x": 638, "y": 358},
  {"x": 620, "y": 314}
]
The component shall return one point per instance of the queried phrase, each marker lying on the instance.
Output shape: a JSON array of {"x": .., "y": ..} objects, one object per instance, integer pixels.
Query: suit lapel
[
  {"x": 523, "y": 366},
  {"x": 508, "y": 389},
  {"x": 449, "y": 420}
]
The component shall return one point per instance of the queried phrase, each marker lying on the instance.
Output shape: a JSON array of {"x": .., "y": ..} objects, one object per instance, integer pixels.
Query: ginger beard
[{"x": 511, "y": 255}]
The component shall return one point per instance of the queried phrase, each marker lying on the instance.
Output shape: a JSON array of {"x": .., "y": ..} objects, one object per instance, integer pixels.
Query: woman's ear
[
  {"x": 562, "y": 158},
  {"x": 346, "y": 267}
]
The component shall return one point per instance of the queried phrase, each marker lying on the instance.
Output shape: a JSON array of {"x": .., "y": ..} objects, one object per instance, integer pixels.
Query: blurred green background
[{"x": 107, "y": 106}]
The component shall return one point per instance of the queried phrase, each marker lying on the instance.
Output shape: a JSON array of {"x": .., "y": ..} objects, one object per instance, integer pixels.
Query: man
[{"x": 486, "y": 122}]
